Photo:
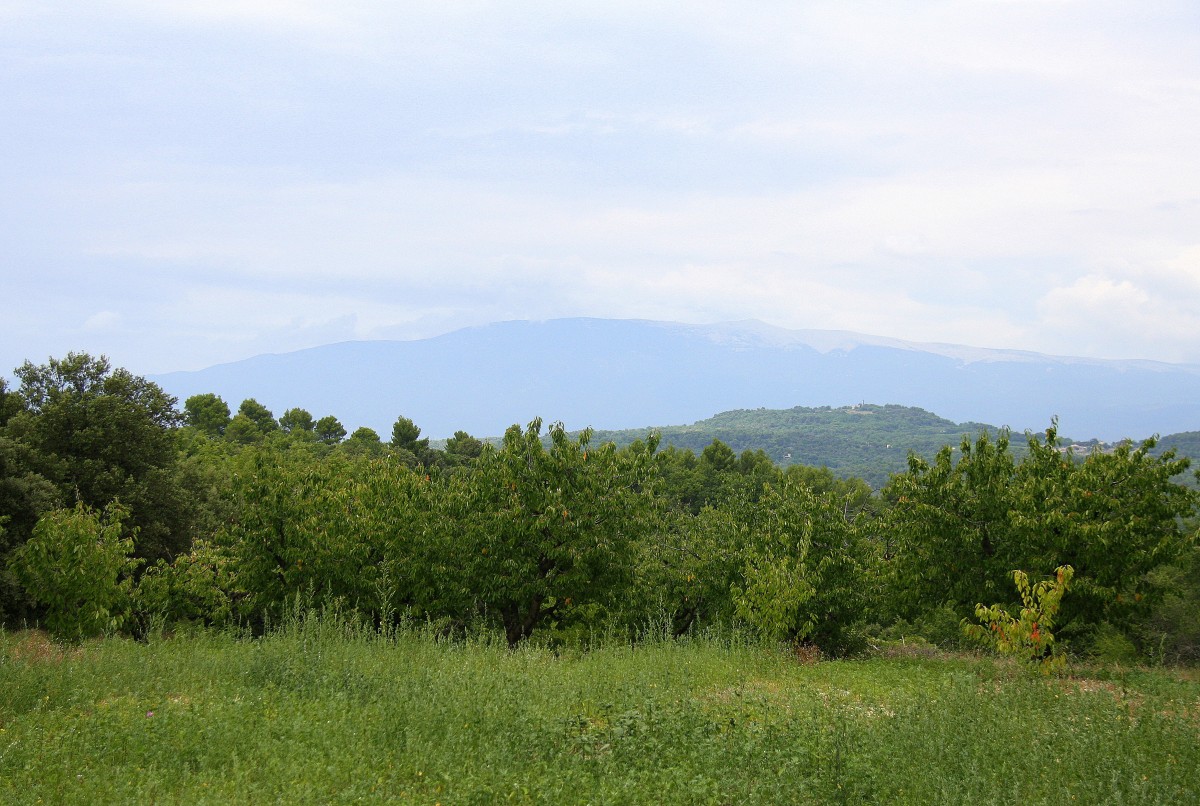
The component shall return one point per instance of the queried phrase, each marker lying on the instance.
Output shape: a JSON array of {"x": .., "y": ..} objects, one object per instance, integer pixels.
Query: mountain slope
[{"x": 626, "y": 373}]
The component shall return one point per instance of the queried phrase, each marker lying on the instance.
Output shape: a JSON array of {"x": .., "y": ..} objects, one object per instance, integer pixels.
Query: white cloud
[{"x": 1017, "y": 174}]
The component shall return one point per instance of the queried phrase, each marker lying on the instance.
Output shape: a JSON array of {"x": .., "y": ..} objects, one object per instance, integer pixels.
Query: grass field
[{"x": 318, "y": 713}]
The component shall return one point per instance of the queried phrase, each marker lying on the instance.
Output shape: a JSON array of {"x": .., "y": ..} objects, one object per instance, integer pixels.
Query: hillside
[{"x": 867, "y": 441}]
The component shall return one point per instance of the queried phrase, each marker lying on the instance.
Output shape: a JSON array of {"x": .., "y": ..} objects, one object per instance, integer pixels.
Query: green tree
[
  {"x": 960, "y": 529},
  {"x": 462, "y": 448},
  {"x": 242, "y": 430},
  {"x": 101, "y": 434},
  {"x": 803, "y": 578},
  {"x": 297, "y": 421},
  {"x": 719, "y": 456},
  {"x": 24, "y": 496},
  {"x": 259, "y": 414},
  {"x": 406, "y": 440},
  {"x": 951, "y": 540},
  {"x": 1114, "y": 517},
  {"x": 79, "y": 566},
  {"x": 207, "y": 413},
  {"x": 549, "y": 533},
  {"x": 339, "y": 529},
  {"x": 363, "y": 442},
  {"x": 688, "y": 567},
  {"x": 329, "y": 431}
]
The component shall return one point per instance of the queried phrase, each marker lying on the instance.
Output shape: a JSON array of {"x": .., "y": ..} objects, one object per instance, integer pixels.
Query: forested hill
[{"x": 867, "y": 441}]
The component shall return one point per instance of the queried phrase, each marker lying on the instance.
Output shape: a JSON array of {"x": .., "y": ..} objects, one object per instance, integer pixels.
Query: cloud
[{"x": 236, "y": 177}]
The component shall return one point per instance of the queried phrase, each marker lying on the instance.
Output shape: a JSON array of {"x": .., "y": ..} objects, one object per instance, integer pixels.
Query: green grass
[{"x": 318, "y": 713}]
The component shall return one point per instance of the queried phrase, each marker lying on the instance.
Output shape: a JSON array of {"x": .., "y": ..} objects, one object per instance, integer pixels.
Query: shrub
[{"x": 79, "y": 567}]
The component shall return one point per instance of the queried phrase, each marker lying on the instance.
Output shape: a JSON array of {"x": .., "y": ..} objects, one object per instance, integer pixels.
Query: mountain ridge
[{"x": 615, "y": 374}]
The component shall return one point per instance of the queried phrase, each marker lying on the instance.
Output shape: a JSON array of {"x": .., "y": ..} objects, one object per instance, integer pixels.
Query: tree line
[{"x": 121, "y": 510}]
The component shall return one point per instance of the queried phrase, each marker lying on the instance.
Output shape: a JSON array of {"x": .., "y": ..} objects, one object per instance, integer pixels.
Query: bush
[{"x": 79, "y": 567}]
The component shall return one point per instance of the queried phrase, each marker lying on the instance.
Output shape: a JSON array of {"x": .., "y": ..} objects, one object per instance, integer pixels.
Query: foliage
[
  {"x": 24, "y": 496},
  {"x": 869, "y": 442},
  {"x": 953, "y": 540},
  {"x": 546, "y": 533},
  {"x": 100, "y": 434},
  {"x": 208, "y": 413},
  {"x": 198, "y": 586},
  {"x": 1170, "y": 633},
  {"x": 803, "y": 576},
  {"x": 1114, "y": 517},
  {"x": 297, "y": 421},
  {"x": 336, "y": 530},
  {"x": 78, "y": 565},
  {"x": 364, "y": 442},
  {"x": 1030, "y": 636},
  {"x": 329, "y": 430},
  {"x": 259, "y": 415}
]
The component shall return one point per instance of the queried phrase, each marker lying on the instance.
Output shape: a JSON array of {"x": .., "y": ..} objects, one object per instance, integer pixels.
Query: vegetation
[
  {"x": 122, "y": 513},
  {"x": 556, "y": 618},
  {"x": 867, "y": 441},
  {"x": 321, "y": 711}
]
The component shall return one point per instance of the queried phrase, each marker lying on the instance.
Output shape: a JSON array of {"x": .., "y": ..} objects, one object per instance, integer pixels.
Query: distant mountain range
[{"x": 615, "y": 374}]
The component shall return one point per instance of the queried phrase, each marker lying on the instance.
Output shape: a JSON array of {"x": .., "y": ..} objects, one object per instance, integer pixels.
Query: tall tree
[
  {"x": 207, "y": 413},
  {"x": 329, "y": 431},
  {"x": 101, "y": 434},
  {"x": 963, "y": 527},
  {"x": 259, "y": 414},
  {"x": 462, "y": 448},
  {"x": 406, "y": 440},
  {"x": 297, "y": 421}
]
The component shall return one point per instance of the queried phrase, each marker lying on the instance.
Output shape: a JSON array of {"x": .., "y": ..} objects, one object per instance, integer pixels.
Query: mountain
[{"x": 614, "y": 374}]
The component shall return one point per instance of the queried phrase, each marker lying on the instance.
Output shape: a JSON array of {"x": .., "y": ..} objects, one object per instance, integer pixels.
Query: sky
[{"x": 191, "y": 183}]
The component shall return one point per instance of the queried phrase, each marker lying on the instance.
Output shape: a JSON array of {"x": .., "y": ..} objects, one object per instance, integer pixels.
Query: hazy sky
[{"x": 187, "y": 183}]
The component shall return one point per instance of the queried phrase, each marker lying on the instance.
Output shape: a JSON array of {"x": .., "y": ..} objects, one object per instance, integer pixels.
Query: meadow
[{"x": 320, "y": 711}]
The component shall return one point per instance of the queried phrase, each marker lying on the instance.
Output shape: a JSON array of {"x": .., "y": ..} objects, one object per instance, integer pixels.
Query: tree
[
  {"x": 719, "y": 456},
  {"x": 962, "y": 528},
  {"x": 243, "y": 431},
  {"x": 548, "y": 533},
  {"x": 953, "y": 542},
  {"x": 329, "y": 431},
  {"x": 207, "y": 413},
  {"x": 10, "y": 402},
  {"x": 101, "y": 434},
  {"x": 1114, "y": 517},
  {"x": 259, "y": 414},
  {"x": 462, "y": 449},
  {"x": 24, "y": 496},
  {"x": 297, "y": 421},
  {"x": 405, "y": 437},
  {"x": 333, "y": 528},
  {"x": 803, "y": 576},
  {"x": 363, "y": 442},
  {"x": 79, "y": 565}
]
